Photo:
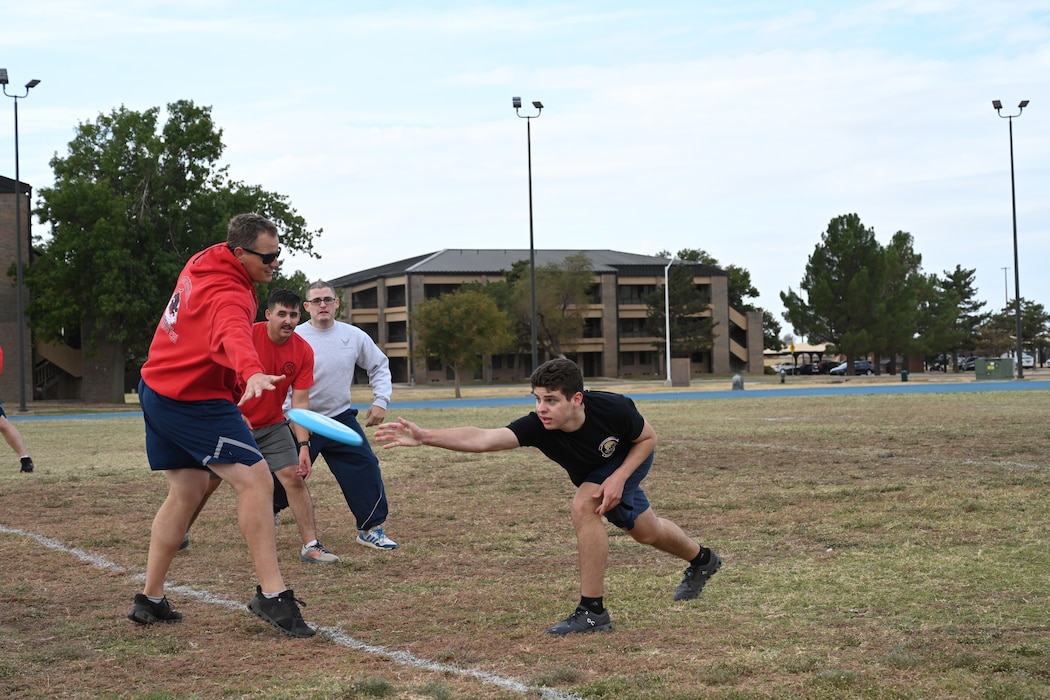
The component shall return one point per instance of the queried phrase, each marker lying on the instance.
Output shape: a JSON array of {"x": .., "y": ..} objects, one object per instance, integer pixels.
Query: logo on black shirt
[{"x": 608, "y": 446}]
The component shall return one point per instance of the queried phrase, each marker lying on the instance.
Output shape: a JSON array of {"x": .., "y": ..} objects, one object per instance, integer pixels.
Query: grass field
[{"x": 874, "y": 547}]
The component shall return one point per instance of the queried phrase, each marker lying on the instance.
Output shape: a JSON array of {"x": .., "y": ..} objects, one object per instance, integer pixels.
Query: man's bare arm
[{"x": 405, "y": 433}]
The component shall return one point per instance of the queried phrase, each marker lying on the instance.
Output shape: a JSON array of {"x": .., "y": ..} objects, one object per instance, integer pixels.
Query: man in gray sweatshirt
[{"x": 339, "y": 348}]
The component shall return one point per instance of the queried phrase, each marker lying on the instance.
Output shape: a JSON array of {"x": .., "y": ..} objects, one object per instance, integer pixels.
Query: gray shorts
[{"x": 277, "y": 443}]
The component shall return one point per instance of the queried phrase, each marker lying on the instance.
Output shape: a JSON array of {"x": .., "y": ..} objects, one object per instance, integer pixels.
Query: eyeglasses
[
  {"x": 321, "y": 300},
  {"x": 266, "y": 258}
]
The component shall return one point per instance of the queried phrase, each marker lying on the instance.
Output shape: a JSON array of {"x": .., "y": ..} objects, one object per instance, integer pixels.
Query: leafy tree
[
  {"x": 999, "y": 334},
  {"x": 132, "y": 200},
  {"x": 690, "y": 332},
  {"x": 843, "y": 285},
  {"x": 740, "y": 290},
  {"x": 771, "y": 332},
  {"x": 562, "y": 301},
  {"x": 459, "y": 328}
]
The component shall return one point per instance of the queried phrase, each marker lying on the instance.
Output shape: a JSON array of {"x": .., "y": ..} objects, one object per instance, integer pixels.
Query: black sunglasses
[{"x": 266, "y": 258}]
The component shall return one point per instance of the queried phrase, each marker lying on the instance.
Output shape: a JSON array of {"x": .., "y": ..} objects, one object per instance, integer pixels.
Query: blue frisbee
[{"x": 325, "y": 426}]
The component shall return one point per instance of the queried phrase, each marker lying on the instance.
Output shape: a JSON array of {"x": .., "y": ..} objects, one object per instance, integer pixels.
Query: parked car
[
  {"x": 967, "y": 364},
  {"x": 825, "y": 366},
  {"x": 859, "y": 367},
  {"x": 1027, "y": 361}
]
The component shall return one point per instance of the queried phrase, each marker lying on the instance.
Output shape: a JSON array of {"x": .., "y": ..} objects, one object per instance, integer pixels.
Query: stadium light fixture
[
  {"x": 18, "y": 248},
  {"x": 1013, "y": 202},
  {"x": 516, "y": 103}
]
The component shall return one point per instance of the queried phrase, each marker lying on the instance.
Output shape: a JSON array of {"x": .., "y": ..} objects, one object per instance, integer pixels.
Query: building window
[
  {"x": 631, "y": 328},
  {"x": 397, "y": 332},
  {"x": 395, "y": 296},
  {"x": 372, "y": 329},
  {"x": 594, "y": 293},
  {"x": 436, "y": 291},
  {"x": 634, "y": 293},
  {"x": 365, "y": 299},
  {"x": 592, "y": 328},
  {"x": 626, "y": 359}
]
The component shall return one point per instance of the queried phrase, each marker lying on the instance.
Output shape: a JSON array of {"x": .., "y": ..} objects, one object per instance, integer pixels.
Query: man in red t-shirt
[
  {"x": 11, "y": 434},
  {"x": 285, "y": 446}
]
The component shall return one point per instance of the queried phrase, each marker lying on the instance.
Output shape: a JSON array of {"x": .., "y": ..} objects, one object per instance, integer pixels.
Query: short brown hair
[
  {"x": 560, "y": 374},
  {"x": 244, "y": 230}
]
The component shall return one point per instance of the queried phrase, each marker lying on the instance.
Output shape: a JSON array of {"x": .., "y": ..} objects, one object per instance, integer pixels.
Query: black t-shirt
[{"x": 609, "y": 420}]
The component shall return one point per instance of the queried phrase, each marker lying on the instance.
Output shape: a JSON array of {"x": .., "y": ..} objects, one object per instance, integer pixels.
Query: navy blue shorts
[
  {"x": 633, "y": 502},
  {"x": 194, "y": 434}
]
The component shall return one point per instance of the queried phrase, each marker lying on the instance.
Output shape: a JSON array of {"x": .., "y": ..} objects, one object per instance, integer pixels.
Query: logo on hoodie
[{"x": 171, "y": 312}]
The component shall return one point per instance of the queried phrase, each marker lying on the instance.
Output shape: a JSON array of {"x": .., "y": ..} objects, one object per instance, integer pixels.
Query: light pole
[
  {"x": 1013, "y": 201},
  {"x": 18, "y": 249},
  {"x": 516, "y": 101},
  {"x": 667, "y": 319}
]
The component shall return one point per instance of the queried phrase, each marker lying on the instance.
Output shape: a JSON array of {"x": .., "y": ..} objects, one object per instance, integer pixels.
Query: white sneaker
[
  {"x": 317, "y": 554},
  {"x": 375, "y": 539}
]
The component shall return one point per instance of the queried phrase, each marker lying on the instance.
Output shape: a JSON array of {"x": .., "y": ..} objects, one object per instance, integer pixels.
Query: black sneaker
[
  {"x": 27, "y": 465},
  {"x": 581, "y": 621},
  {"x": 145, "y": 612},
  {"x": 696, "y": 576},
  {"x": 282, "y": 612},
  {"x": 185, "y": 542}
]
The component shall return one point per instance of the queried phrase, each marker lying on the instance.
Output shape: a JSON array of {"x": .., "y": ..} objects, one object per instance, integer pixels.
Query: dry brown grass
[{"x": 874, "y": 546}]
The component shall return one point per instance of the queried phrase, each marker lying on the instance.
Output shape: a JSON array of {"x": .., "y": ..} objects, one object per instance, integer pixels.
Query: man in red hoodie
[{"x": 202, "y": 348}]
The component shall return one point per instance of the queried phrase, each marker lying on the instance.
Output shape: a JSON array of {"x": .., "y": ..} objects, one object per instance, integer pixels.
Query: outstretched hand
[
  {"x": 403, "y": 433},
  {"x": 257, "y": 384}
]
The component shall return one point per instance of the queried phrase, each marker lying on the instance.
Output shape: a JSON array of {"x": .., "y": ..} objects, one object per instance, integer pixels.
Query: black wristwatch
[{"x": 304, "y": 443}]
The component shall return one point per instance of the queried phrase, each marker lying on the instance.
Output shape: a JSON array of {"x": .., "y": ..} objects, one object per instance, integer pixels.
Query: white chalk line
[{"x": 336, "y": 634}]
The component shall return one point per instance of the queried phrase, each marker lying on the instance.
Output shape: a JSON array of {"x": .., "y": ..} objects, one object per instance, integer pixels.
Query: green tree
[
  {"x": 965, "y": 332},
  {"x": 459, "y": 329},
  {"x": 843, "y": 285},
  {"x": 562, "y": 302},
  {"x": 691, "y": 331},
  {"x": 903, "y": 286},
  {"x": 740, "y": 290},
  {"x": 939, "y": 314},
  {"x": 131, "y": 201},
  {"x": 999, "y": 333}
]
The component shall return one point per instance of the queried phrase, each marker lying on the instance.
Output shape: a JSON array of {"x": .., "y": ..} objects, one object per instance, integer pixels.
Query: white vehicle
[{"x": 1027, "y": 361}]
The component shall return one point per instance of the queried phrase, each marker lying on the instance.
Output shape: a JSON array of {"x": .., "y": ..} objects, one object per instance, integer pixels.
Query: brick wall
[{"x": 9, "y": 392}]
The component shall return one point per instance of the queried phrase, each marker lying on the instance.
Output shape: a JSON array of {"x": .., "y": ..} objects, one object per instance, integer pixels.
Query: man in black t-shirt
[{"x": 606, "y": 446}]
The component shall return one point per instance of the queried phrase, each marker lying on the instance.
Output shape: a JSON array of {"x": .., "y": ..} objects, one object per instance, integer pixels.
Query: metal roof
[{"x": 498, "y": 260}]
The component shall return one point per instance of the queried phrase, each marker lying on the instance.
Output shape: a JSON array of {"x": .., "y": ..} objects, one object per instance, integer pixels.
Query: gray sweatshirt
[{"x": 337, "y": 351}]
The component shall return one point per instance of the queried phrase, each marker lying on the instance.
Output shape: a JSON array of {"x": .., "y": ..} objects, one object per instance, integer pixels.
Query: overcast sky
[{"x": 738, "y": 128}]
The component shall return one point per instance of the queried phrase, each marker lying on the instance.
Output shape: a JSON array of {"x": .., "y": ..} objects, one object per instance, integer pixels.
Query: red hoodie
[{"x": 203, "y": 344}]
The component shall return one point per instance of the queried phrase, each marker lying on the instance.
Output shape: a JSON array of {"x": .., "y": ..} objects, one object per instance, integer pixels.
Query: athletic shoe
[
  {"x": 375, "y": 539},
  {"x": 281, "y": 612},
  {"x": 27, "y": 464},
  {"x": 185, "y": 542},
  {"x": 695, "y": 577},
  {"x": 145, "y": 612},
  {"x": 582, "y": 621},
  {"x": 317, "y": 554}
]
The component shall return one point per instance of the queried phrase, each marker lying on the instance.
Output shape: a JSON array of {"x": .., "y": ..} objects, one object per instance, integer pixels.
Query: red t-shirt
[
  {"x": 294, "y": 359},
  {"x": 203, "y": 344}
]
